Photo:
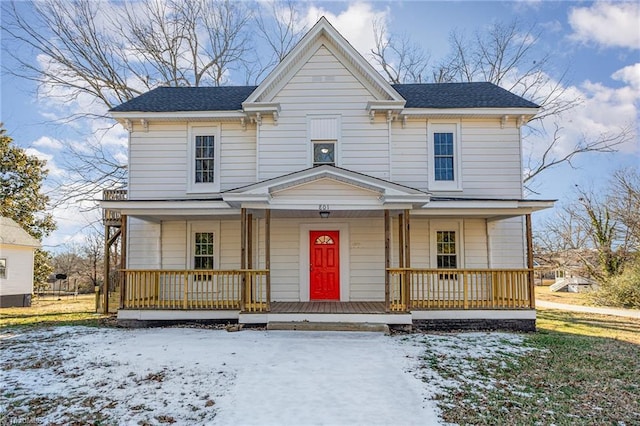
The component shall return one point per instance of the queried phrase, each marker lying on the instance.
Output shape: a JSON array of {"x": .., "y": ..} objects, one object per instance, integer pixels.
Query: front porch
[{"x": 248, "y": 291}]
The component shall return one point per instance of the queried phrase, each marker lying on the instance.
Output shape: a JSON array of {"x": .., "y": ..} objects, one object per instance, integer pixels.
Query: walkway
[{"x": 629, "y": 313}]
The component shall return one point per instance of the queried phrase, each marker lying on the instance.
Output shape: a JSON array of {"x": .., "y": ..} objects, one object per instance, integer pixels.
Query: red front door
[{"x": 324, "y": 263}]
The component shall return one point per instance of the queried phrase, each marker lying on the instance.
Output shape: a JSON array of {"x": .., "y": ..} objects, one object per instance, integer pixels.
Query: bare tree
[
  {"x": 601, "y": 231},
  {"x": 278, "y": 25},
  {"x": 505, "y": 54},
  {"x": 401, "y": 59},
  {"x": 102, "y": 54}
]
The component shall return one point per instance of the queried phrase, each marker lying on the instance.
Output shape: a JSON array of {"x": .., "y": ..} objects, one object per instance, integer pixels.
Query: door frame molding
[{"x": 324, "y": 225}]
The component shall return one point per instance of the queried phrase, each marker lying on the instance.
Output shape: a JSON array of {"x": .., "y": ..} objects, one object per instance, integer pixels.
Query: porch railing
[
  {"x": 112, "y": 217},
  {"x": 195, "y": 289},
  {"x": 412, "y": 288}
]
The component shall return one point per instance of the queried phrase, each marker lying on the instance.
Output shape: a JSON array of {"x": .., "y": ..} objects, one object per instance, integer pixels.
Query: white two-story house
[{"x": 327, "y": 194}]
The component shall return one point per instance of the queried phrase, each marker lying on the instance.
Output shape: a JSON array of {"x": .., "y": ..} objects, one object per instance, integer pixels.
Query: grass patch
[
  {"x": 578, "y": 369},
  {"x": 582, "y": 299},
  {"x": 47, "y": 312}
]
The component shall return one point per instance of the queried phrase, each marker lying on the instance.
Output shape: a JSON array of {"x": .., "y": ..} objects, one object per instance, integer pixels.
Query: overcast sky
[{"x": 597, "y": 45}]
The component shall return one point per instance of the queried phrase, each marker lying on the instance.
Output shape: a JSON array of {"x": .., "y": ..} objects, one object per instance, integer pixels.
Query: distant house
[
  {"x": 16, "y": 264},
  {"x": 326, "y": 194},
  {"x": 571, "y": 280}
]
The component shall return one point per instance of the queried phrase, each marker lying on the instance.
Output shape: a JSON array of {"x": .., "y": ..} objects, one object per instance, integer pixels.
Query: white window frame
[
  {"x": 452, "y": 126},
  {"x": 195, "y": 227},
  {"x": 203, "y": 130},
  {"x": 3, "y": 271},
  {"x": 325, "y": 138},
  {"x": 446, "y": 225}
]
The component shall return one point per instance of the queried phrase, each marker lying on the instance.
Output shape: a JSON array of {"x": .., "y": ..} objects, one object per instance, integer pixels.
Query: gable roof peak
[{"x": 302, "y": 50}]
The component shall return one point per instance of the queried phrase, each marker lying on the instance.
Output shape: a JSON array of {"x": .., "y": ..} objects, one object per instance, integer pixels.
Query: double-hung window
[
  {"x": 3, "y": 268},
  {"x": 203, "y": 250},
  {"x": 444, "y": 157},
  {"x": 446, "y": 256},
  {"x": 204, "y": 159},
  {"x": 446, "y": 247}
]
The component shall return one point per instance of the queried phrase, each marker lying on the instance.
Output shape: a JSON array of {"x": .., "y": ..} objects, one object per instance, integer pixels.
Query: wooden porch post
[
  {"x": 243, "y": 256},
  {"x": 123, "y": 259},
  {"x": 107, "y": 267},
  {"x": 267, "y": 253},
  {"x": 387, "y": 260},
  {"x": 400, "y": 240},
  {"x": 407, "y": 259},
  {"x": 532, "y": 290},
  {"x": 249, "y": 277}
]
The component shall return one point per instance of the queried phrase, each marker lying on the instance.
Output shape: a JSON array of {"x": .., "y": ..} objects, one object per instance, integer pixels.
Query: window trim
[
  {"x": 445, "y": 126},
  {"x": 203, "y": 130},
  {"x": 195, "y": 227},
  {"x": 335, "y": 139},
  {"x": 456, "y": 226}
]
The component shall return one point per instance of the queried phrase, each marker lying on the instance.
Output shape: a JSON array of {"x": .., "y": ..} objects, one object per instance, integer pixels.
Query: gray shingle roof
[
  {"x": 230, "y": 98},
  {"x": 173, "y": 99},
  {"x": 460, "y": 95}
]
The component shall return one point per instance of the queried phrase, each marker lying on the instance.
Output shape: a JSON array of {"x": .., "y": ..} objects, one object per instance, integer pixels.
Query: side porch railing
[
  {"x": 415, "y": 289},
  {"x": 195, "y": 289}
]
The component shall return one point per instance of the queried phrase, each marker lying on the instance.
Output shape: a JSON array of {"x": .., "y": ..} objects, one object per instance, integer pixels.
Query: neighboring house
[
  {"x": 327, "y": 194},
  {"x": 17, "y": 248},
  {"x": 569, "y": 279}
]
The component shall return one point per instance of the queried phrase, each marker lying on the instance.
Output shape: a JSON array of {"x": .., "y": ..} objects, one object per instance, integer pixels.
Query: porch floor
[{"x": 328, "y": 307}]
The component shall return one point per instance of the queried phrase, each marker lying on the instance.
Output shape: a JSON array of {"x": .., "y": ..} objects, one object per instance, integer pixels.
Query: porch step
[{"x": 327, "y": 326}]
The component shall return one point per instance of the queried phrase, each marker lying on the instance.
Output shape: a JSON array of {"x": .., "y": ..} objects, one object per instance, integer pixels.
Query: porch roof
[
  {"x": 492, "y": 209},
  {"x": 347, "y": 190}
]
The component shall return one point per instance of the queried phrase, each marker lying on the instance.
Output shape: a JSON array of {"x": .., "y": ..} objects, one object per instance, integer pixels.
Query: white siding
[
  {"x": 143, "y": 239},
  {"x": 174, "y": 245},
  {"x": 475, "y": 244},
  {"x": 507, "y": 242},
  {"x": 409, "y": 154},
  {"x": 285, "y": 257},
  {"x": 324, "y": 86},
  {"x": 238, "y": 152},
  {"x": 367, "y": 259},
  {"x": 158, "y": 162},
  {"x": 158, "y": 159},
  {"x": 491, "y": 159},
  {"x": 324, "y": 191},
  {"x": 19, "y": 278}
]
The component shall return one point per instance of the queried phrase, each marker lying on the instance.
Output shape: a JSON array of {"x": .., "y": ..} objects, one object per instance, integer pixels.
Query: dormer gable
[{"x": 323, "y": 35}]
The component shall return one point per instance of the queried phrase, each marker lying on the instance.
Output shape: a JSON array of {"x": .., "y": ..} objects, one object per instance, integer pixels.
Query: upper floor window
[
  {"x": 445, "y": 161},
  {"x": 324, "y": 152},
  {"x": 204, "y": 159},
  {"x": 443, "y": 156},
  {"x": 3, "y": 268},
  {"x": 323, "y": 133}
]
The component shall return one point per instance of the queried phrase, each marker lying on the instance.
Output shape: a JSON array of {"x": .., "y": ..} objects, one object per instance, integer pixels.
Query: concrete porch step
[{"x": 327, "y": 326}]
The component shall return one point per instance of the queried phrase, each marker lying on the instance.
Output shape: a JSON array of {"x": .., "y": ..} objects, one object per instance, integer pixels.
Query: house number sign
[{"x": 323, "y": 207}]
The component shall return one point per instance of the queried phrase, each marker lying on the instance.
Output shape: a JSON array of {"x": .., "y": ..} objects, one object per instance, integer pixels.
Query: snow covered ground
[{"x": 190, "y": 376}]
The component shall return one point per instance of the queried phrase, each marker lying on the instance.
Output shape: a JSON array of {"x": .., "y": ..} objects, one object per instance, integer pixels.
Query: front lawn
[
  {"x": 580, "y": 369},
  {"x": 48, "y": 311}
]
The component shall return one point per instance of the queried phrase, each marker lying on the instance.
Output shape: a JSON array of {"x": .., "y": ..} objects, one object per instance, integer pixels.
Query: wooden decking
[{"x": 328, "y": 307}]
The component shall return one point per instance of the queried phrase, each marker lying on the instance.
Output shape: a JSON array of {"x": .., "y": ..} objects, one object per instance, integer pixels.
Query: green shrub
[{"x": 622, "y": 290}]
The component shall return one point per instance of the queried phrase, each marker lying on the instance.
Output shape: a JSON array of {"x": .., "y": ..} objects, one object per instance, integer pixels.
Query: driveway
[{"x": 629, "y": 313}]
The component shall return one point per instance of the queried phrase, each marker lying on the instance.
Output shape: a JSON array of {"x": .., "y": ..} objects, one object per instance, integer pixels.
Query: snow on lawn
[{"x": 202, "y": 376}]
